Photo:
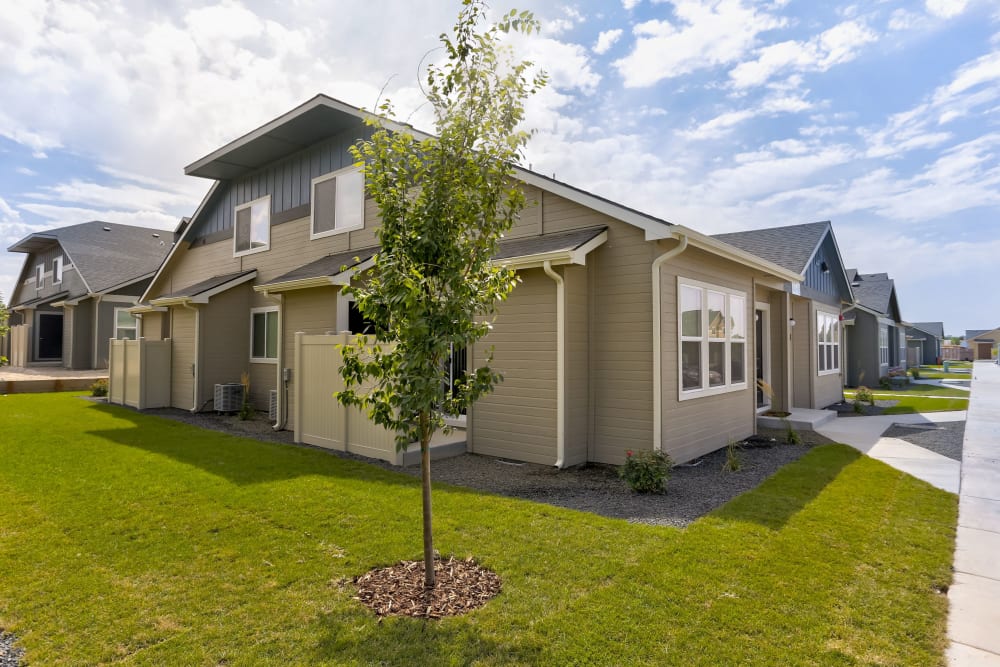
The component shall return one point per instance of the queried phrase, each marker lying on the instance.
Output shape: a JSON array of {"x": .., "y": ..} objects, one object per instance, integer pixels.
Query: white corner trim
[
  {"x": 560, "y": 363},
  {"x": 657, "y": 333}
]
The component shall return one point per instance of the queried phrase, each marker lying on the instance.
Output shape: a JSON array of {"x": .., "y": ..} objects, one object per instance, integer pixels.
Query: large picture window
[
  {"x": 713, "y": 339},
  {"x": 338, "y": 202},
  {"x": 126, "y": 325},
  {"x": 883, "y": 345},
  {"x": 264, "y": 335},
  {"x": 827, "y": 342},
  {"x": 252, "y": 230}
]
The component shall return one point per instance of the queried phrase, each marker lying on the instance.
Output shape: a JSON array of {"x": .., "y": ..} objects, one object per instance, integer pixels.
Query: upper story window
[
  {"x": 883, "y": 345},
  {"x": 264, "y": 334},
  {"x": 126, "y": 325},
  {"x": 57, "y": 270},
  {"x": 338, "y": 202},
  {"x": 828, "y": 342},
  {"x": 252, "y": 231},
  {"x": 40, "y": 276},
  {"x": 713, "y": 331}
]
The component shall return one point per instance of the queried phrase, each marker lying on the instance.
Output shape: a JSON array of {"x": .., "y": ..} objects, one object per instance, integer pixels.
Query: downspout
[
  {"x": 282, "y": 384},
  {"x": 657, "y": 353},
  {"x": 560, "y": 363},
  {"x": 196, "y": 370}
]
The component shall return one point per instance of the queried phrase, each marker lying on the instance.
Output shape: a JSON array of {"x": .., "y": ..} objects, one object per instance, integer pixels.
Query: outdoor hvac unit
[
  {"x": 272, "y": 405},
  {"x": 228, "y": 397}
]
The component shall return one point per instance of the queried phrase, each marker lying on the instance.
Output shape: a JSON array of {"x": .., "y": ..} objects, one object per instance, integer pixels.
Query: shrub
[
  {"x": 732, "y": 462},
  {"x": 792, "y": 436},
  {"x": 915, "y": 372},
  {"x": 884, "y": 382},
  {"x": 646, "y": 471},
  {"x": 246, "y": 409},
  {"x": 99, "y": 388},
  {"x": 864, "y": 395}
]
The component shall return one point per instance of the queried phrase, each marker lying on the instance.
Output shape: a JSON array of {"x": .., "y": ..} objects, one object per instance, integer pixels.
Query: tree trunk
[{"x": 425, "y": 476}]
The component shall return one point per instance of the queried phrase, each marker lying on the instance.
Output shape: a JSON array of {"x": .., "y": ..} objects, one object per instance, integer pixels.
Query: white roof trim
[
  {"x": 726, "y": 251},
  {"x": 555, "y": 258}
]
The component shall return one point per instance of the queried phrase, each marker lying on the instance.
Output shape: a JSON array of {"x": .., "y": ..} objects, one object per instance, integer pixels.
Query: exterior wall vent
[
  {"x": 272, "y": 405},
  {"x": 228, "y": 397}
]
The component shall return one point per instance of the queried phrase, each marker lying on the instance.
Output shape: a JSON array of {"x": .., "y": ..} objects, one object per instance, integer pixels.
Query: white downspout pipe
[
  {"x": 281, "y": 385},
  {"x": 196, "y": 371},
  {"x": 657, "y": 353},
  {"x": 560, "y": 363}
]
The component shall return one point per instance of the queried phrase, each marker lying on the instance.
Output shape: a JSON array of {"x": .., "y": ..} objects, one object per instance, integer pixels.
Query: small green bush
[
  {"x": 646, "y": 471},
  {"x": 884, "y": 382},
  {"x": 864, "y": 395},
  {"x": 732, "y": 462},
  {"x": 99, "y": 388},
  {"x": 915, "y": 372}
]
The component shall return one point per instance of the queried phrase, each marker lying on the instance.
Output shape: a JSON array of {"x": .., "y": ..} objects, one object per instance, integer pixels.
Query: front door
[
  {"x": 48, "y": 344},
  {"x": 761, "y": 360}
]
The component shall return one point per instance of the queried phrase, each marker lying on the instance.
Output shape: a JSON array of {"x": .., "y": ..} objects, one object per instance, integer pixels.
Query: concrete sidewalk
[
  {"x": 865, "y": 435},
  {"x": 974, "y": 596}
]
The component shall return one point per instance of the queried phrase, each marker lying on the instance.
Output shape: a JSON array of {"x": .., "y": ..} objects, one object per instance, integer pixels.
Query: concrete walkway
[
  {"x": 865, "y": 435},
  {"x": 974, "y": 596}
]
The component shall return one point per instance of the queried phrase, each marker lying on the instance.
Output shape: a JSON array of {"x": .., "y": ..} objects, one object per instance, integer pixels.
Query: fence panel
[
  {"x": 139, "y": 373},
  {"x": 116, "y": 372},
  {"x": 19, "y": 337},
  {"x": 133, "y": 376}
]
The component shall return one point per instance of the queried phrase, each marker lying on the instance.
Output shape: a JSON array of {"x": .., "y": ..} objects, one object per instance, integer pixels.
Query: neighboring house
[
  {"x": 876, "y": 339},
  {"x": 924, "y": 341},
  {"x": 626, "y": 332},
  {"x": 981, "y": 342},
  {"x": 807, "y": 314},
  {"x": 75, "y": 290}
]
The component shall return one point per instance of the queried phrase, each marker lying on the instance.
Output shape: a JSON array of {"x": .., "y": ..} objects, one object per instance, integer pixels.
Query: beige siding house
[{"x": 626, "y": 332}]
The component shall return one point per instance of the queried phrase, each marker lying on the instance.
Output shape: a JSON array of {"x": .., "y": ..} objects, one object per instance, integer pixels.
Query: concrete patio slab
[{"x": 800, "y": 418}]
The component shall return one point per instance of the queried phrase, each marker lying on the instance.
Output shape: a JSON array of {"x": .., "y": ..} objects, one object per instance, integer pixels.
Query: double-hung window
[
  {"x": 40, "y": 276},
  {"x": 126, "y": 325},
  {"x": 252, "y": 229},
  {"x": 338, "y": 202},
  {"x": 883, "y": 345},
  {"x": 827, "y": 342},
  {"x": 713, "y": 337},
  {"x": 57, "y": 270},
  {"x": 264, "y": 335}
]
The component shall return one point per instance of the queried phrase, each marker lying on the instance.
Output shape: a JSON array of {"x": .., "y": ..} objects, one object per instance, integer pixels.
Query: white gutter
[
  {"x": 560, "y": 363},
  {"x": 657, "y": 353},
  {"x": 196, "y": 371}
]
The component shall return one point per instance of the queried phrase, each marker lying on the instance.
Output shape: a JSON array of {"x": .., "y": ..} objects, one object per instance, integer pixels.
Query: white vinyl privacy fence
[{"x": 139, "y": 373}]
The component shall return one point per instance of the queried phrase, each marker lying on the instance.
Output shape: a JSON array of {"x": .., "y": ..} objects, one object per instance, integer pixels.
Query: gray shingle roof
[
  {"x": 872, "y": 290},
  {"x": 546, "y": 243},
  {"x": 934, "y": 328},
  {"x": 790, "y": 247},
  {"x": 42, "y": 300},
  {"x": 205, "y": 285},
  {"x": 330, "y": 265},
  {"x": 107, "y": 254}
]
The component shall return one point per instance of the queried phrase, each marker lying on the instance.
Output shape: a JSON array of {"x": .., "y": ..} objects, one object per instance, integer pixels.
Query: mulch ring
[{"x": 398, "y": 590}]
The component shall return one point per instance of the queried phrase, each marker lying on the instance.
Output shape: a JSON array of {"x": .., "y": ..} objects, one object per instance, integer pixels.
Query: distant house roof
[
  {"x": 972, "y": 333},
  {"x": 873, "y": 290},
  {"x": 935, "y": 329},
  {"x": 791, "y": 247},
  {"x": 106, "y": 254}
]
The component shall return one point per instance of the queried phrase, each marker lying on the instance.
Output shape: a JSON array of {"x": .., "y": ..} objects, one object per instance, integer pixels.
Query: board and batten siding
[
  {"x": 518, "y": 419},
  {"x": 697, "y": 426},
  {"x": 577, "y": 387},
  {"x": 311, "y": 311},
  {"x": 182, "y": 358},
  {"x": 803, "y": 335}
]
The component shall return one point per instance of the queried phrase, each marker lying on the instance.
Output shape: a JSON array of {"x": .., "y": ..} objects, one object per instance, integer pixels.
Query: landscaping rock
[
  {"x": 945, "y": 438},
  {"x": 10, "y": 655}
]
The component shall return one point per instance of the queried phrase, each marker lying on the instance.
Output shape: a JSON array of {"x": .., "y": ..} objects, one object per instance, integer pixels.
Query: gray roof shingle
[
  {"x": 872, "y": 290},
  {"x": 790, "y": 247},
  {"x": 936, "y": 329},
  {"x": 205, "y": 285},
  {"x": 330, "y": 265}
]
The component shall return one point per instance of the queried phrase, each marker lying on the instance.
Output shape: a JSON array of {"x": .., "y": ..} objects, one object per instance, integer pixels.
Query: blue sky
[{"x": 720, "y": 115}]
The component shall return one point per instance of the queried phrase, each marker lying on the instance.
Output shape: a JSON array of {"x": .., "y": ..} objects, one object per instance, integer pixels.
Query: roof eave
[
  {"x": 576, "y": 255},
  {"x": 726, "y": 251}
]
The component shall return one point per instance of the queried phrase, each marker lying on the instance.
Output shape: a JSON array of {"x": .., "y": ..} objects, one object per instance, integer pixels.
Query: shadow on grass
[
  {"x": 240, "y": 460},
  {"x": 788, "y": 491}
]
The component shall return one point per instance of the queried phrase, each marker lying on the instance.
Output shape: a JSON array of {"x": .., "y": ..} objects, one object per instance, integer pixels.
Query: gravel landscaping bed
[
  {"x": 693, "y": 490},
  {"x": 944, "y": 438},
  {"x": 9, "y": 655},
  {"x": 846, "y": 408}
]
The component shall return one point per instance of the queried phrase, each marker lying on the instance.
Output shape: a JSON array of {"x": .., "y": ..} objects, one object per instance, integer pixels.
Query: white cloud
[
  {"x": 726, "y": 122},
  {"x": 946, "y": 9},
  {"x": 606, "y": 40},
  {"x": 708, "y": 33},
  {"x": 834, "y": 46},
  {"x": 630, "y": 4},
  {"x": 68, "y": 215},
  {"x": 24, "y": 171}
]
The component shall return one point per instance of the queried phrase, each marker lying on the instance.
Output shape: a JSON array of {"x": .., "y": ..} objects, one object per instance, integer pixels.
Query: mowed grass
[
  {"x": 129, "y": 539},
  {"x": 919, "y": 398},
  {"x": 916, "y": 390}
]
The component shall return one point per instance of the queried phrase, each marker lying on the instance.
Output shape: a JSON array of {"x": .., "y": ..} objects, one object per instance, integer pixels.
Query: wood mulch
[{"x": 398, "y": 590}]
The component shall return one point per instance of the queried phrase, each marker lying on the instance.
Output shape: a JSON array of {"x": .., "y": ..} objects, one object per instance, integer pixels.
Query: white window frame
[
  {"x": 57, "y": 270},
  {"x": 117, "y": 328},
  {"x": 313, "y": 235},
  {"x": 833, "y": 343},
  {"x": 250, "y": 204},
  {"x": 265, "y": 360},
  {"x": 40, "y": 276},
  {"x": 728, "y": 385},
  {"x": 883, "y": 345}
]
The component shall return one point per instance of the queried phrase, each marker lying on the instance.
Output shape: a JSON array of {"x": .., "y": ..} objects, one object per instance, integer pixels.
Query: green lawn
[
  {"x": 941, "y": 375},
  {"x": 919, "y": 398},
  {"x": 916, "y": 390},
  {"x": 127, "y": 538}
]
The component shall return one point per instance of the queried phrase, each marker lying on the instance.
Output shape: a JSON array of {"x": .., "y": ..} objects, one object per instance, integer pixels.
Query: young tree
[{"x": 445, "y": 202}]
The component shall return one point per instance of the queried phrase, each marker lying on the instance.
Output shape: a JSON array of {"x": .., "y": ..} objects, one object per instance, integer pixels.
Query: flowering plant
[{"x": 646, "y": 471}]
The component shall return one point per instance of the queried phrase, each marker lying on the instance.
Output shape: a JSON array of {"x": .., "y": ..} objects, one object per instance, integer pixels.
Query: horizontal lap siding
[
  {"x": 803, "y": 362},
  {"x": 225, "y": 338},
  {"x": 577, "y": 375},
  {"x": 182, "y": 357},
  {"x": 518, "y": 420},
  {"x": 697, "y": 426},
  {"x": 311, "y": 311}
]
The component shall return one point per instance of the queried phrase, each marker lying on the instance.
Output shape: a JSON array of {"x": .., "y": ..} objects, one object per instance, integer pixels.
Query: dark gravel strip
[
  {"x": 10, "y": 656},
  {"x": 846, "y": 408},
  {"x": 945, "y": 438},
  {"x": 692, "y": 491}
]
